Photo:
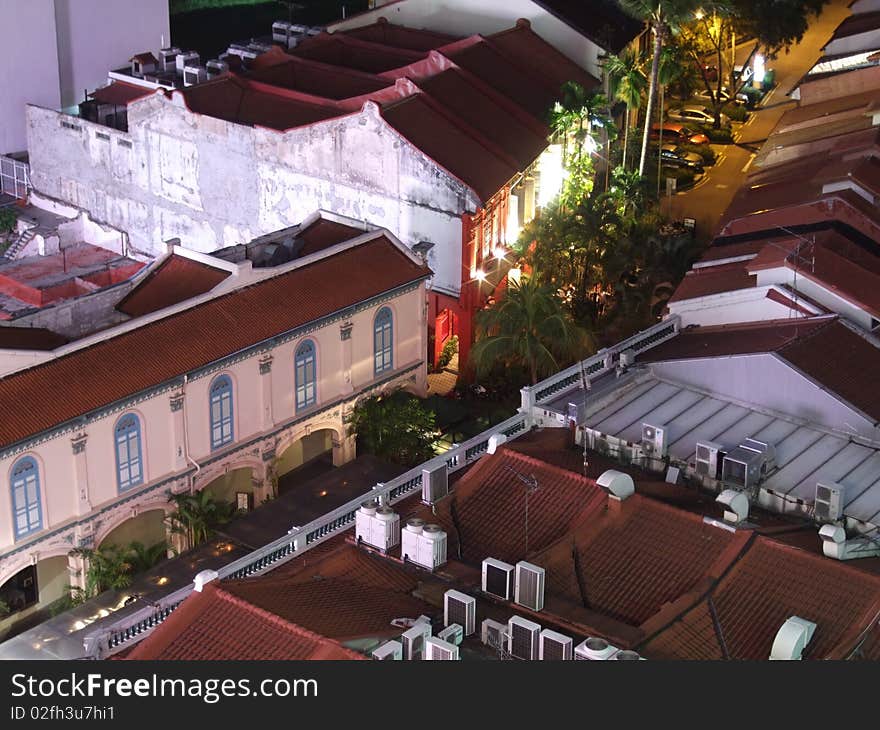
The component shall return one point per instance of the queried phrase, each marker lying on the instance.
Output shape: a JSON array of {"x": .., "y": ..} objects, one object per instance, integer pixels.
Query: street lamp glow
[
  {"x": 498, "y": 252},
  {"x": 759, "y": 69},
  {"x": 591, "y": 144},
  {"x": 699, "y": 14},
  {"x": 480, "y": 275}
]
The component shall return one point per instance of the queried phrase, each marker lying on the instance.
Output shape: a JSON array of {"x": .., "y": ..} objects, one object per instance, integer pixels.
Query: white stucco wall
[
  {"x": 212, "y": 183},
  {"x": 55, "y": 49},
  {"x": 466, "y": 17},
  {"x": 161, "y": 438}
]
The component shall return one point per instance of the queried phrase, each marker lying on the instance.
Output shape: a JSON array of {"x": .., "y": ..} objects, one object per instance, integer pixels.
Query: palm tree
[
  {"x": 663, "y": 16},
  {"x": 108, "y": 568},
  {"x": 627, "y": 83},
  {"x": 529, "y": 325},
  {"x": 575, "y": 114},
  {"x": 197, "y": 516},
  {"x": 142, "y": 558}
]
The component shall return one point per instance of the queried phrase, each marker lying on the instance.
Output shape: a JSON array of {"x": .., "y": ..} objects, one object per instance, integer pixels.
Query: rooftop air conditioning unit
[
  {"x": 437, "y": 649},
  {"x": 529, "y": 585},
  {"x": 627, "y": 358},
  {"x": 215, "y": 68},
  {"x": 498, "y": 578},
  {"x": 377, "y": 526},
  {"x": 736, "y": 505},
  {"x": 830, "y": 499},
  {"x": 523, "y": 638},
  {"x": 460, "y": 608},
  {"x": 193, "y": 75},
  {"x": 424, "y": 545},
  {"x": 390, "y": 650},
  {"x": 168, "y": 58},
  {"x": 554, "y": 646},
  {"x": 709, "y": 457},
  {"x": 618, "y": 484},
  {"x": 493, "y": 633},
  {"x": 435, "y": 484},
  {"x": 184, "y": 59},
  {"x": 594, "y": 649},
  {"x": 746, "y": 465},
  {"x": 627, "y": 654},
  {"x": 281, "y": 31},
  {"x": 654, "y": 440},
  {"x": 413, "y": 640},
  {"x": 454, "y": 634}
]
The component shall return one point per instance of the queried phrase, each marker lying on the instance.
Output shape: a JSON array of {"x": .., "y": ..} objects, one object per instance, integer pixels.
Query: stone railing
[{"x": 119, "y": 634}]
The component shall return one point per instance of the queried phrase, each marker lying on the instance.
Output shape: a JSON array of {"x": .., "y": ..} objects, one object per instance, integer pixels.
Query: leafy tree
[
  {"x": 8, "y": 217},
  {"x": 775, "y": 24},
  {"x": 528, "y": 326},
  {"x": 627, "y": 83},
  {"x": 197, "y": 516},
  {"x": 108, "y": 567},
  {"x": 395, "y": 427},
  {"x": 663, "y": 17},
  {"x": 142, "y": 558}
]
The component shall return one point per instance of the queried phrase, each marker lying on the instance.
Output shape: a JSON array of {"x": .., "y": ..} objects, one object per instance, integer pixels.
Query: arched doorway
[
  {"x": 226, "y": 487},
  {"x": 147, "y": 528},
  {"x": 32, "y": 589}
]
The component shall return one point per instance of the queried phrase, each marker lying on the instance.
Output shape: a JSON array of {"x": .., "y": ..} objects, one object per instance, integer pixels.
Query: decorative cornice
[
  {"x": 78, "y": 443},
  {"x": 266, "y": 364},
  {"x": 176, "y": 402},
  {"x": 345, "y": 330}
]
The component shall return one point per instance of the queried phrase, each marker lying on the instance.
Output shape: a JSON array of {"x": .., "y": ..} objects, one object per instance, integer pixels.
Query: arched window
[
  {"x": 383, "y": 332},
  {"x": 129, "y": 461},
  {"x": 221, "y": 411},
  {"x": 306, "y": 375},
  {"x": 27, "y": 512}
]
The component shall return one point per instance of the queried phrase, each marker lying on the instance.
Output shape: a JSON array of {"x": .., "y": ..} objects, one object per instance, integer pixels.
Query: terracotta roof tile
[
  {"x": 217, "y": 625},
  {"x": 120, "y": 94},
  {"x": 345, "y": 595},
  {"x": 713, "y": 280},
  {"x": 528, "y": 48},
  {"x": 324, "y": 233},
  {"x": 489, "y": 506},
  {"x": 318, "y": 79},
  {"x": 451, "y": 144},
  {"x": 492, "y": 116},
  {"x": 735, "y": 339},
  {"x": 30, "y": 338},
  {"x": 195, "y": 337},
  {"x": 637, "y": 556},
  {"x": 339, "y": 49},
  {"x": 399, "y": 36},
  {"x": 769, "y": 584},
  {"x": 843, "y": 361},
  {"x": 174, "y": 280}
]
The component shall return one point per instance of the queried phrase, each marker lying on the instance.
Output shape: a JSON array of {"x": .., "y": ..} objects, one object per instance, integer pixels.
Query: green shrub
[
  {"x": 717, "y": 136},
  {"x": 8, "y": 216},
  {"x": 448, "y": 351},
  {"x": 736, "y": 112}
]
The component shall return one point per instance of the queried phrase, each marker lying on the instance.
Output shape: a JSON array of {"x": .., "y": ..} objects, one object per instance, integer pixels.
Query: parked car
[
  {"x": 678, "y": 133},
  {"x": 696, "y": 113},
  {"x": 704, "y": 96},
  {"x": 674, "y": 156}
]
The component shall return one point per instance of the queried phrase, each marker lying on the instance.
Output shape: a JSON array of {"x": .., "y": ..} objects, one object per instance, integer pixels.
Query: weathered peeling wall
[{"x": 212, "y": 183}]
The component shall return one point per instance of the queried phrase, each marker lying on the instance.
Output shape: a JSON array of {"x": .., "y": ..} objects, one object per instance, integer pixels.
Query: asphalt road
[{"x": 709, "y": 198}]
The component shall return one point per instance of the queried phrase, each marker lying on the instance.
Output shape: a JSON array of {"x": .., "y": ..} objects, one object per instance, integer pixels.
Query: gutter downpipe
[{"x": 186, "y": 440}]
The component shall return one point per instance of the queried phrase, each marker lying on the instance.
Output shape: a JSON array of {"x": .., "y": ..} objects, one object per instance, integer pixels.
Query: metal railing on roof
[{"x": 120, "y": 633}]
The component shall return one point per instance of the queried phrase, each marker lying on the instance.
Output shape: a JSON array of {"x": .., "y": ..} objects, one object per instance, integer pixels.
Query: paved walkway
[{"x": 443, "y": 383}]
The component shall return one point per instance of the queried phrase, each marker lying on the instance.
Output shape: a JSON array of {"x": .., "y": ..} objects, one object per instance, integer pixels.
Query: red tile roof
[
  {"x": 120, "y": 94},
  {"x": 253, "y": 103},
  {"x": 318, "y": 79},
  {"x": 217, "y": 625},
  {"x": 399, "y": 36},
  {"x": 628, "y": 561},
  {"x": 29, "y": 338},
  {"x": 324, "y": 233},
  {"x": 174, "y": 280},
  {"x": 843, "y": 361},
  {"x": 735, "y": 339},
  {"x": 486, "y": 515},
  {"x": 713, "y": 280},
  {"x": 174, "y": 345},
  {"x": 486, "y": 111},
  {"x": 346, "y": 595},
  {"x": 339, "y": 49},
  {"x": 769, "y": 584},
  {"x": 476, "y": 161},
  {"x": 528, "y": 48},
  {"x": 515, "y": 78}
]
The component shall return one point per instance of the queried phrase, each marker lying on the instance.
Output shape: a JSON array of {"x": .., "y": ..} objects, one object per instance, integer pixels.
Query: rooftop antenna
[
  {"x": 585, "y": 385},
  {"x": 530, "y": 481}
]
